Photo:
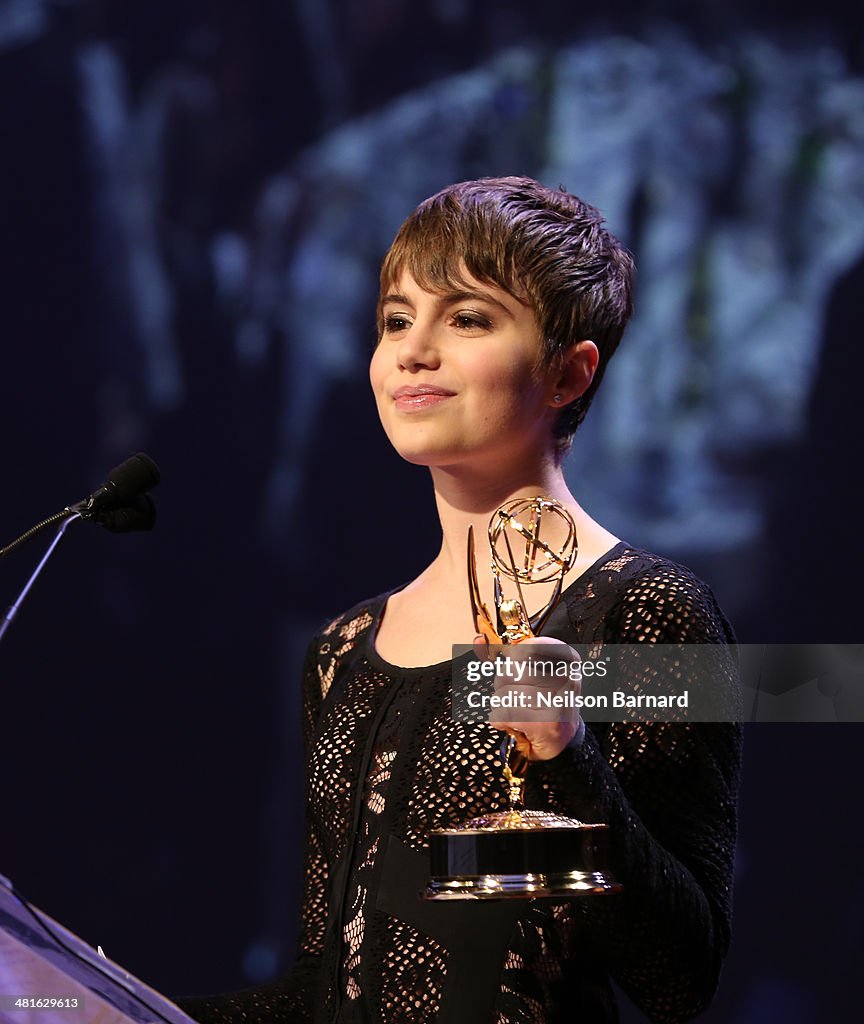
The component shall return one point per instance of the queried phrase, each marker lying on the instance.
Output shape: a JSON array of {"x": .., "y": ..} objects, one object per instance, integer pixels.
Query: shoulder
[
  {"x": 346, "y": 629},
  {"x": 338, "y": 640},
  {"x": 642, "y": 597}
]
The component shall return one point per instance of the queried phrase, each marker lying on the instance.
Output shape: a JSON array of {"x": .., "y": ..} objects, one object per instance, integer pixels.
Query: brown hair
[{"x": 545, "y": 247}]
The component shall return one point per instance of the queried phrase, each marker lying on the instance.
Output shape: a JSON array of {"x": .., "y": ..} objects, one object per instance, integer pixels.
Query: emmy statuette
[{"x": 520, "y": 853}]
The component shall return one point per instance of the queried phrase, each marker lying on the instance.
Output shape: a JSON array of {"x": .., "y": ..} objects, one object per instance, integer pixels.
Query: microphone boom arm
[
  {"x": 70, "y": 517},
  {"x": 56, "y": 518}
]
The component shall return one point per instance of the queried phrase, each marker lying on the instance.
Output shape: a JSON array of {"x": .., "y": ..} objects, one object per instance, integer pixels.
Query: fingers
[
  {"x": 550, "y": 719},
  {"x": 539, "y": 741},
  {"x": 481, "y": 647},
  {"x": 523, "y": 744}
]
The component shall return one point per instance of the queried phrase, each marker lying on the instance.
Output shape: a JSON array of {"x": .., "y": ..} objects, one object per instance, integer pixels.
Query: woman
[{"x": 501, "y": 304}]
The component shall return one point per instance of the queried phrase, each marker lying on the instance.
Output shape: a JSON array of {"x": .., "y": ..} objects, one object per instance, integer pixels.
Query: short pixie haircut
[{"x": 545, "y": 247}]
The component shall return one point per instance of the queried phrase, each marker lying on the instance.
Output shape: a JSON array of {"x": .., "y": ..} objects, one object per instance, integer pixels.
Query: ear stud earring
[{"x": 556, "y": 399}]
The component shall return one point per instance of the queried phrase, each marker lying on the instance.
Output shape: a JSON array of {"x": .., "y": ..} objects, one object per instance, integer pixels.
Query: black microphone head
[
  {"x": 138, "y": 514},
  {"x": 134, "y": 476}
]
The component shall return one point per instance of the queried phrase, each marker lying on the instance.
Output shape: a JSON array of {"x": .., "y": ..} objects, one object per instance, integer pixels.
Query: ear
[{"x": 575, "y": 374}]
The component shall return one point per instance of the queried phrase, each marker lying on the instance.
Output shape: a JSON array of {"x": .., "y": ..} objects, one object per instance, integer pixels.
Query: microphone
[
  {"x": 116, "y": 505},
  {"x": 138, "y": 514},
  {"x": 121, "y": 505},
  {"x": 132, "y": 478}
]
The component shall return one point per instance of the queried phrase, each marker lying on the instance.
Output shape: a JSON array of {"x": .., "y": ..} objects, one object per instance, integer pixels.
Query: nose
[{"x": 418, "y": 349}]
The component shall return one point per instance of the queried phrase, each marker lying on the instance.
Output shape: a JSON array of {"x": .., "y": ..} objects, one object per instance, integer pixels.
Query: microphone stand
[
  {"x": 120, "y": 505},
  {"x": 7, "y": 621}
]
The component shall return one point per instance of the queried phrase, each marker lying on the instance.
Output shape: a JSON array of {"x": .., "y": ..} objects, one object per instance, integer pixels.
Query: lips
[
  {"x": 420, "y": 396},
  {"x": 421, "y": 389}
]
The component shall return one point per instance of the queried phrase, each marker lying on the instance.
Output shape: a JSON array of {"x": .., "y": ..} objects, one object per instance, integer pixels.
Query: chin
[
  {"x": 443, "y": 449},
  {"x": 420, "y": 448},
  {"x": 449, "y": 456},
  {"x": 426, "y": 454},
  {"x": 425, "y": 457}
]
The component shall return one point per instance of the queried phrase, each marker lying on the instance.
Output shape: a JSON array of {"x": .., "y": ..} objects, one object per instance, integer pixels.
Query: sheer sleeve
[
  {"x": 668, "y": 792},
  {"x": 288, "y": 999}
]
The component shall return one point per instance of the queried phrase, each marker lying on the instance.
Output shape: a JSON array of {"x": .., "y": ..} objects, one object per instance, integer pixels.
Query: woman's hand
[{"x": 538, "y": 740}]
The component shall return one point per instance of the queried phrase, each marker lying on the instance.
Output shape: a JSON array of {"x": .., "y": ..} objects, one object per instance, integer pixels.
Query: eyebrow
[{"x": 447, "y": 298}]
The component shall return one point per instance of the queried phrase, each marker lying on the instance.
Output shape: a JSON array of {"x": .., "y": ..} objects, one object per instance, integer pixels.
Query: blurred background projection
[{"x": 196, "y": 198}]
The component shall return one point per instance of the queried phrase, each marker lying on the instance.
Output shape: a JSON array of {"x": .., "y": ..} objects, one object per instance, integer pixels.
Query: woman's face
[{"x": 455, "y": 375}]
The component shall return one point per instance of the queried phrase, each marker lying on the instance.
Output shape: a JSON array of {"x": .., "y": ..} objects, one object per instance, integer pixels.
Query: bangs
[
  {"x": 441, "y": 251},
  {"x": 435, "y": 259}
]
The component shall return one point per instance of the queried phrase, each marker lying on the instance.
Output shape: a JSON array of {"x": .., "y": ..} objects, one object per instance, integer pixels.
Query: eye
[
  {"x": 468, "y": 320},
  {"x": 396, "y": 322}
]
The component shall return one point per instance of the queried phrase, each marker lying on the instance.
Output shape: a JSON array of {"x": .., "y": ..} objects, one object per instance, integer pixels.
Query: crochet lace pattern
[{"x": 387, "y": 764}]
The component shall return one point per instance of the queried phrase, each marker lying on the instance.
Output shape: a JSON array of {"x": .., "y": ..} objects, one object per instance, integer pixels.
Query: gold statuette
[
  {"x": 520, "y": 853},
  {"x": 541, "y": 562}
]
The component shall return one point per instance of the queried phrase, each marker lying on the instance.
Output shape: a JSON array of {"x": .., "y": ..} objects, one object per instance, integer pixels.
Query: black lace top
[{"x": 387, "y": 764}]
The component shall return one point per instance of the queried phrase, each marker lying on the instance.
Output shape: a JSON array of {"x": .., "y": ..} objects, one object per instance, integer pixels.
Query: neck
[{"x": 468, "y": 497}]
